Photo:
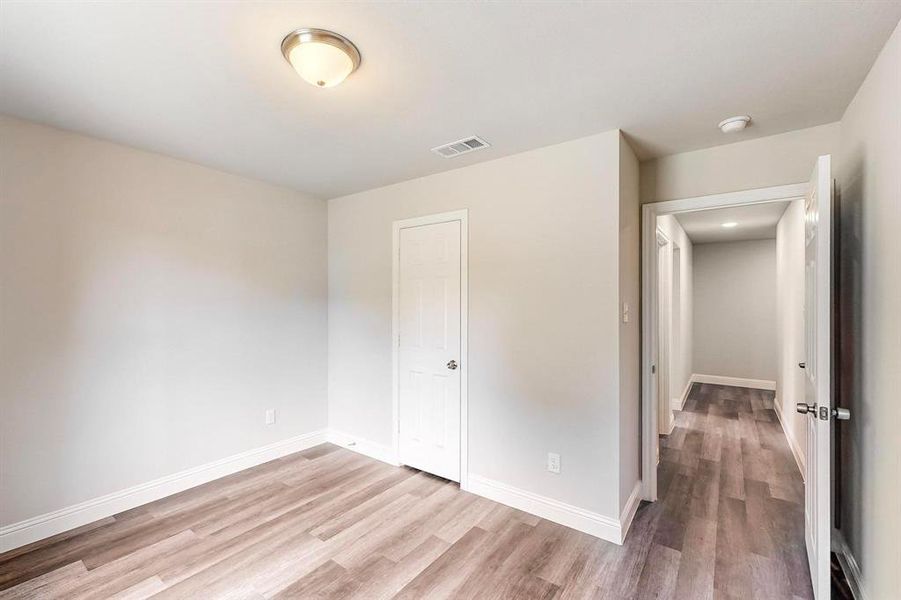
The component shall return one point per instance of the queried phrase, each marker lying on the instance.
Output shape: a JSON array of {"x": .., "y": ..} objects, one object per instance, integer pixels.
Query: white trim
[
  {"x": 679, "y": 403},
  {"x": 52, "y": 523},
  {"x": 849, "y": 565},
  {"x": 629, "y": 510},
  {"x": 592, "y": 523},
  {"x": 672, "y": 425},
  {"x": 445, "y": 217},
  {"x": 649, "y": 214},
  {"x": 741, "y": 198},
  {"x": 792, "y": 442},
  {"x": 382, "y": 452},
  {"x": 757, "y": 384}
]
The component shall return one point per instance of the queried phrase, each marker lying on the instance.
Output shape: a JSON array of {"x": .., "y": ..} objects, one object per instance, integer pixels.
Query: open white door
[
  {"x": 818, "y": 368},
  {"x": 429, "y": 347}
]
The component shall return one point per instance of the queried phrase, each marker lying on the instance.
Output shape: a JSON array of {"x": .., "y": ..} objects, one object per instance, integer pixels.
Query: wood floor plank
[
  {"x": 330, "y": 523},
  {"x": 445, "y": 574}
]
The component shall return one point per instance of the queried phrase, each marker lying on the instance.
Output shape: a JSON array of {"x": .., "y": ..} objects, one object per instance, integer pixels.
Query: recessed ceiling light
[
  {"x": 323, "y": 58},
  {"x": 730, "y": 224},
  {"x": 733, "y": 124}
]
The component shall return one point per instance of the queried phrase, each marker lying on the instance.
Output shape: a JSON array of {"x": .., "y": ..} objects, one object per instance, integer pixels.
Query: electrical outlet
[
  {"x": 553, "y": 462},
  {"x": 270, "y": 416}
]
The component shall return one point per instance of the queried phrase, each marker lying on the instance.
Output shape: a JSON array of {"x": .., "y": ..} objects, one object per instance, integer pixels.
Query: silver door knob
[
  {"x": 841, "y": 414},
  {"x": 802, "y": 365},
  {"x": 810, "y": 409},
  {"x": 452, "y": 365}
]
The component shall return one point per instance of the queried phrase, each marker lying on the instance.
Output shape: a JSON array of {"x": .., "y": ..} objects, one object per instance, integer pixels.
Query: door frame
[
  {"x": 649, "y": 274},
  {"x": 462, "y": 216}
]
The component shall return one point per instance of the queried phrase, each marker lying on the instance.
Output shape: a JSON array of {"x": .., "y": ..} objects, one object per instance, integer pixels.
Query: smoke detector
[
  {"x": 464, "y": 146},
  {"x": 733, "y": 124}
]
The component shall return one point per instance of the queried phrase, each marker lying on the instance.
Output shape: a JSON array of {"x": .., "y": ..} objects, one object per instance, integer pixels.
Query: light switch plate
[{"x": 553, "y": 462}]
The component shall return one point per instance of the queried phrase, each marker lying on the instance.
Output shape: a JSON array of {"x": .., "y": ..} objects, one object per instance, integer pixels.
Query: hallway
[{"x": 731, "y": 510}]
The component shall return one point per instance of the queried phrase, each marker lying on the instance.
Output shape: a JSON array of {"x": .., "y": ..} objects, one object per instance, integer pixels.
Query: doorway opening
[{"x": 730, "y": 324}]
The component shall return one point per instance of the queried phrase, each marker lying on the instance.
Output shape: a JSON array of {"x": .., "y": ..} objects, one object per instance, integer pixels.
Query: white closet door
[{"x": 429, "y": 348}]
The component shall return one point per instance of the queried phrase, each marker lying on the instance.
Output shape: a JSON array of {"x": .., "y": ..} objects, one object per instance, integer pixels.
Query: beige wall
[
  {"x": 734, "y": 287},
  {"x": 543, "y": 323},
  {"x": 790, "y": 324},
  {"x": 629, "y": 338},
  {"x": 869, "y": 184},
  {"x": 151, "y": 310},
  {"x": 762, "y": 162}
]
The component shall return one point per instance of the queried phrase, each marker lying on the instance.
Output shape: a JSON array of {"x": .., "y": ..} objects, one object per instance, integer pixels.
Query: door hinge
[{"x": 653, "y": 369}]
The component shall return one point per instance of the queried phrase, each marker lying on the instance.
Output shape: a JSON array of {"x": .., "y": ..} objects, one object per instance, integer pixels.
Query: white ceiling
[
  {"x": 755, "y": 222},
  {"x": 205, "y": 81}
]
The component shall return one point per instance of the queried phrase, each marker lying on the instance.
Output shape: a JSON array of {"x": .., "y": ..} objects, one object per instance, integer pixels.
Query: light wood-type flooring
[{"x": 329, "y": 523}]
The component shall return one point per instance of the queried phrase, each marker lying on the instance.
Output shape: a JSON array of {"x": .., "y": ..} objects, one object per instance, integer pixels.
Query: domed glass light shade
[{"x": 322, "y": 58}]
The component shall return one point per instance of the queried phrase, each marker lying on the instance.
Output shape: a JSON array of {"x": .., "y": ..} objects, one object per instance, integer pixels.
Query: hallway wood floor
[{"x": 329, "y": 523}]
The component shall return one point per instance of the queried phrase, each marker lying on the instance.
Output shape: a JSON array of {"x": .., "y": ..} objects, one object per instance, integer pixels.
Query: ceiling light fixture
[
  {"x": 730, "y": 224},
  {"x": 322, "y": 58},
  {"x": 733, "y": 124}
]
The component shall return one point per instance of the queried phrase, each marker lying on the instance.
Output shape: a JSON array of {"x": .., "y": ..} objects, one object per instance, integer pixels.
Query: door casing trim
[{"x": 649, "y": 274}]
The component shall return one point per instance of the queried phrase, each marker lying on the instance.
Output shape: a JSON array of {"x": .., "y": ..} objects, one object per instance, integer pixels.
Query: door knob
[
  {"x": 452, "y": 365},
  {"x": 803, "y": 365},
  {"x": 841, "y": 414},
  {"x": 807, "y": 408}
]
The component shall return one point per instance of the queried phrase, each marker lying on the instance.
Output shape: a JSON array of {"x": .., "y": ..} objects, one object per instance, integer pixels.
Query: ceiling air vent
[{"x": 470, "y": 144}]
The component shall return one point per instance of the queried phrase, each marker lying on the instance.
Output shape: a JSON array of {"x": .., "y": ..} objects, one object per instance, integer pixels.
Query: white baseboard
[
  {"x": 849, "y": 565},
  {"x": 679, "y": 403},
  {"x": 365, "y": 447},
  {"x": 757, "y": 384},
  {"x": 580, "y": 519},
  {"x": 672, "y": 425},
  {"x": 52, "y": 523},
  {"x": 797, "y": 452},
  {"x": 629, "y": 510}
]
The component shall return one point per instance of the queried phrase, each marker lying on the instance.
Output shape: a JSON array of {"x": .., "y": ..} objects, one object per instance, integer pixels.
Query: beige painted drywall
[
  {"x": 734, "y": 289},
  {"x": 543, "y": 314},
  {"x": 151, "y": 310},
  {"x": 790, "y": 324},
  {"x": 629, "y": 334},
  {"x": 762, "y": 162},
  {"x": 682, "y": 352},
  {"x": 869, "y": 184}
]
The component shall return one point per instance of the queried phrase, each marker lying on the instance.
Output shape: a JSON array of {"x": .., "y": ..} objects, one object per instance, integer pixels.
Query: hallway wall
[
  {"x": 734, "y": 287},
  {"x": 790, "y": 325}
]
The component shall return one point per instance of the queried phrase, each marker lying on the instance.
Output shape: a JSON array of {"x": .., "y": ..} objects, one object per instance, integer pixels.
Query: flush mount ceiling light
[
  {"x": 730, "y": 224},
  {"x": 733, "y": 124},
  {"x": 323, "y": 58}
]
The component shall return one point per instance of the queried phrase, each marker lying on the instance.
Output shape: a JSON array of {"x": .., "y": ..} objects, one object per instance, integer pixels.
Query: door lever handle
[{"x": 452, "y": 365}]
